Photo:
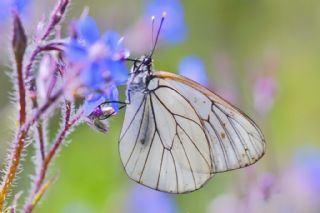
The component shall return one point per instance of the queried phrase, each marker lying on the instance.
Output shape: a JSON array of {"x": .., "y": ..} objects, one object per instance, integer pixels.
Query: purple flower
[
  {"x": 264, "y": 93},
  {"x": 100, "y": 59},
  {"x": 192, "y": 67},
  {"x": 145, "y": 200},
  {"x": 266, "y": 183},
  {"x": 174, "y": 28}
]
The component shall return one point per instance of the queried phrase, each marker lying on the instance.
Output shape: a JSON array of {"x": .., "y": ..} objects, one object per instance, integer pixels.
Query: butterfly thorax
[{"x": 140, "y": 74}]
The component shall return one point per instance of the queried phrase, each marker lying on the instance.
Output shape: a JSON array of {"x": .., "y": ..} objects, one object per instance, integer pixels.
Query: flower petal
[
  {"x": 118, "y": 70},
  {"x": 88, "y": 30},
  {"x": 114, "y": 98},
  {"x": 75, "y": 52},
  {"x": 92, "y": 102},
  {"x": 20, "y": 5},
  {"x": 92, "y": 77},
  {"x": 111, "y": 40}
]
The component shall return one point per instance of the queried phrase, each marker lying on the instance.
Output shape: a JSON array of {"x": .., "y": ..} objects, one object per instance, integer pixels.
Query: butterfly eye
[{"x": 147, "y": 61}]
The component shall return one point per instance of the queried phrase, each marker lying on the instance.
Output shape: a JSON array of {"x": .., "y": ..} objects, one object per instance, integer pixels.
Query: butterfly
[{"x": 178, "y": 134}]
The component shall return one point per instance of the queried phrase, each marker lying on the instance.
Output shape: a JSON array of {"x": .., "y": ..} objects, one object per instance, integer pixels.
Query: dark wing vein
[
  {"x": 223, "y": 148},
  {"x": 145, "y": 162},
  {"x": 213, "y": 165},
  {"x": 185, "y": 153},
  {"x": 135, "y": 143},
  {"x": 247, "y": 119},
  {"x": 227, "y": 133},
  {"x": 155, "y": 120},
  {"x": 194, "y": 145},
  {"x": 245, "y": 147},
  {"x": 200, "y": 119},
  {"x": 158, "y": 181},
  {"x": 247, "y": 151},
  {"x": 175, "y": 169},
  {"x": 249, "y": 135},
  {"x": 133, "y": 117},
  {"x": 174, "y": 114}
]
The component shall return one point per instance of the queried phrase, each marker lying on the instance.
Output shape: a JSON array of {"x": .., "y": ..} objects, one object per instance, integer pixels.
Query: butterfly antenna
[
  {"x": 158, "y": 33},
  {"x": 131, "y": 59},
  {"x": 152, "y": 30}
]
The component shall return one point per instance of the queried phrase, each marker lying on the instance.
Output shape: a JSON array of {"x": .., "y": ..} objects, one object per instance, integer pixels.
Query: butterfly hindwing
[{"x": 165, "y": 147}]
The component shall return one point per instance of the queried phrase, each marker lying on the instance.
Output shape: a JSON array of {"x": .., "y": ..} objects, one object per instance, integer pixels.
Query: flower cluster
[
  {"x": 53, "y": 75},
  {"x": 100, "y": 62}
]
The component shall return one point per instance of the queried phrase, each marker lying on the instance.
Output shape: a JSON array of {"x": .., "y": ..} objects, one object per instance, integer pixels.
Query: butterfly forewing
[
  {"x": 177, "y": 134},
  {"x": 238, "y": 139}
]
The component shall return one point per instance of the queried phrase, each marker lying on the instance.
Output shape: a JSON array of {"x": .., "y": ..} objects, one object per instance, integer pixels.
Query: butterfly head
[
  {"x": 142, "y": 65},
  {"x": 141, "y": 71}
]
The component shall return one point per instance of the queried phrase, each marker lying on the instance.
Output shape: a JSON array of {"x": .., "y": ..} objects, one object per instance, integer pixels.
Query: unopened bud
[{"x": 19, "y": 39}]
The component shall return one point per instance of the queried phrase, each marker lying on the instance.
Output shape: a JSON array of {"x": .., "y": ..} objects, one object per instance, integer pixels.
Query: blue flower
[
  {"x": 101, "y": 62},
  {"x": 6, "y": 6},
  {"x": 145, "y": 200},
  {"x": 94, "y": 100},
  {"x": 307, "y": 162},
  {"x": 192, "y": 67},
  {"x": 174, "y": 28},
  {"x": 20, "y": 5}
]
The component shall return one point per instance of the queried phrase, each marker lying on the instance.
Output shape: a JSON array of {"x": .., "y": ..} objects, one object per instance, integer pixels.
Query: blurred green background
[{"x": 256, "y": 37}]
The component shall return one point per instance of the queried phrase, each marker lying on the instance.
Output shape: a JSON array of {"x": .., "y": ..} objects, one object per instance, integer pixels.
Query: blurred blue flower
[
  {"x": 192, "y": 67},
  {"x": 145, "y": 200},
  {"x": 307, "y": 162},
  {"x": 6, "y": 6},
  {"x": 174, "y": 28},
  {"x": 20, "y": 5},
  {"x": 101, "y": 62}
]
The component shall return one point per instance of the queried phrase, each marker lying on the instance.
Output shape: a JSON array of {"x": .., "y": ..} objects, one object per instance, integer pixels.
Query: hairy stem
[
  {"x": 55, "y": 18},
  {"x": 19, "y": 41},
  {"x": 40, "y": 131},
  {"x": 41, "y": 139},
  {"x": 38, "y": 185},
  {"x": 22, "y": 95},
  {"x": 13, "y": 163},
  {"x": 51, "y": 45}
]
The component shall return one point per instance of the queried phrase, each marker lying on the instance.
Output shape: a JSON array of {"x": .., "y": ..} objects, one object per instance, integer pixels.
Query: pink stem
[{"x": 52, "y": 152}]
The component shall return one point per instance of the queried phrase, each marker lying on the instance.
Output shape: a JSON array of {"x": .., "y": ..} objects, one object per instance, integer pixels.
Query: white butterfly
[{"x": 177, "y": 134}]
